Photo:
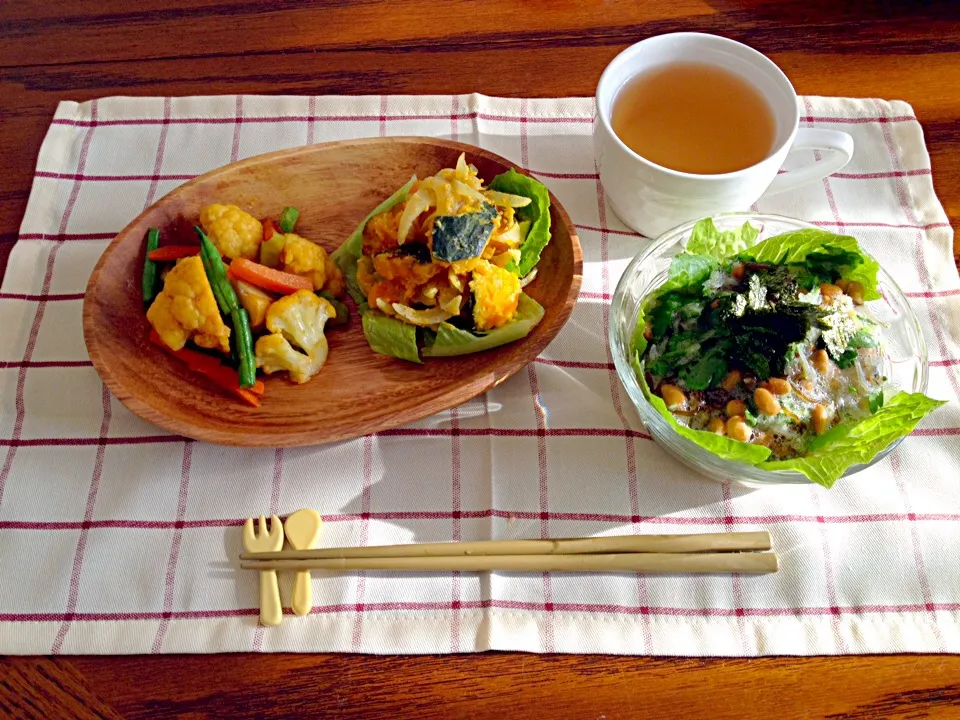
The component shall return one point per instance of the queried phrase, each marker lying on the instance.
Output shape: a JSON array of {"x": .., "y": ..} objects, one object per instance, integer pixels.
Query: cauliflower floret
[
  {"x": 186, "y": 310},
  {"x": 296, "y": 342},
  {"x": 305, "y": 258},
  {"x": 496, "y": 293},
  {"x": 235, "y": 233}
]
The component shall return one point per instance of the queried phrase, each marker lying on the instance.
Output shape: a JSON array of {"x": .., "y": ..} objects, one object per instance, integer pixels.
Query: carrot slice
[
  {"x": 211, "y": 368},
  {"x": 173, "y": 252},
  {"x": 267, "y": 278}
]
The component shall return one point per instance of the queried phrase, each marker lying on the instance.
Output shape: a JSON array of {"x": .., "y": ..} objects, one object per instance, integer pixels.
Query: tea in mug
[{"x": 694, "y": 118}]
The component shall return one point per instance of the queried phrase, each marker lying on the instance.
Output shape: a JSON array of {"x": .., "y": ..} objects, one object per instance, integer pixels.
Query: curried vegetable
[
  {"x": 288, "y": 219},
  {"x": 255, "y": 301},
  {"x": 204, "y": 302},
  {"x": 186, "y": 309},
  {"x": 170, "y": 253},
  {"x": 267, "y": 278},
  {"x": 296, "y": 343},
  {"x": 305, "y": 258},
  {"x": 229, "y": 305},
  {"x": 766, "y": 339},
  {"x": 221, "y": 375},
  {"x": 151, "y": 278},
  {"x": 343, "y": 313},
  {"x": 272, "y": 247},
  {"x": 233, "y": 232}
]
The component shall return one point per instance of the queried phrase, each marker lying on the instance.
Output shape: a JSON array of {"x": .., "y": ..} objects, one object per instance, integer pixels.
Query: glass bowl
[{"x": 906, "y": 352}]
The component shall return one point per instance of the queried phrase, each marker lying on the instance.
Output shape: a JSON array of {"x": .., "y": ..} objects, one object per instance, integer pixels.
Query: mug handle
[{"x": 840, "y": 149}]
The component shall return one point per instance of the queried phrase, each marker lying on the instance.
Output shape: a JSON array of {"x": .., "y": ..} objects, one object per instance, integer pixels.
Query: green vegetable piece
[
  {"x": 217, "y": 275},
  {"x": 537, "y": 213},
  {"x": 150, "y": 283},
  {"x": 708, "y": 370},
  {"x": 450, "y": 340},
  {"x": 389, "y": 336},
  {"x": 688, "y": 270},
  {"x": 349, "y": 252},
  {"x": 846, "y": 359},
  {"x": 876, "y": 402},
  {"x": 750, "y": 418},
  {"x": 638, "y": 342},
  {"x": 244, "y": 345},
  {"x": 343, "y": 313},
  {"x": 795, "y": 247},
  {"x": 706, "y": 239},
  {"x": 864, "y": 440},
  {"x": 288, "y": 219},
  {"x": 458, "y": 237},
  {"x": 271, "y": 249},
  {"x": 832, "y": 262}
]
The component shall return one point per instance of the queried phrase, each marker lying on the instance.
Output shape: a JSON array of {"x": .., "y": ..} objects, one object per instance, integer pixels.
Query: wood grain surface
[
  {"x": 337, "y": 184},
  {"x": 81, "y": 49}
]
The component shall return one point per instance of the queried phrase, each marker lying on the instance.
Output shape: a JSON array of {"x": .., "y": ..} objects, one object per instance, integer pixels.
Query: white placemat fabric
[{"x": 116, "y": 537}]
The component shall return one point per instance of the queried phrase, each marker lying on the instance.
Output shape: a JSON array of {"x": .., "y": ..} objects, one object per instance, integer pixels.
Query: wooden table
[{"x": 82, "y": 49}]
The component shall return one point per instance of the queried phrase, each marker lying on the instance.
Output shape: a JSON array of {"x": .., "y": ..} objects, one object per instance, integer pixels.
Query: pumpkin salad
[{"x": 438, "y": 269}]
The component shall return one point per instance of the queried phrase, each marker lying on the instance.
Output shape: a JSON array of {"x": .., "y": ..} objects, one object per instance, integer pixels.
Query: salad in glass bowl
[{"x": 763, "y": 349}]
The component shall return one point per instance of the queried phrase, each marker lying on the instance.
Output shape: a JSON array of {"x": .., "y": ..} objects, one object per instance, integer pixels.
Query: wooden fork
[{"x": 271, "y": 612}]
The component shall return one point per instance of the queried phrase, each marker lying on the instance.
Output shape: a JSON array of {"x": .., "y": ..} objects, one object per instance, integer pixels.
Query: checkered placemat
[{"x": 116, "y": 537}]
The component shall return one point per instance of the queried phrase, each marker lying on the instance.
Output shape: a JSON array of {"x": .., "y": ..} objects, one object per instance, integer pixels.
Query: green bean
[
  {"x": 244, "y": 344},
  {"x": 217, "y": 275},
  {"x": 342, "y": 312},
  {"x": 288, "y": 219},
  {"x": 229, "y": 306},
  {"x": 150, "y": 281}
]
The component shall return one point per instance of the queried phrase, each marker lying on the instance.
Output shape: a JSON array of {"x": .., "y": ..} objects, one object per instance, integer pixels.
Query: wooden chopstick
[
  {"x": 646, "y": 562},
  {"x": 702, "y": 542}
]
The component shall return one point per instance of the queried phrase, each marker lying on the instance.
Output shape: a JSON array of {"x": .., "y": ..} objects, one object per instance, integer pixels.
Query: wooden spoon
[{"x": 302, "y": 530}]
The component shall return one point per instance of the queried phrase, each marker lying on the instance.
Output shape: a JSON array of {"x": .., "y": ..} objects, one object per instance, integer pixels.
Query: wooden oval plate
[{"x": 334, "y": 185}]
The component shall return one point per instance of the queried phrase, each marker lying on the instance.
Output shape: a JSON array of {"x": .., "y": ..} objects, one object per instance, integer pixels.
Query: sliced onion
[
  {"x": 504, "y": 258},
  {"x": 464, "y": 190},
  {"x": 501, "y": 199},
  {"x": 416, "y": 204},
  {"x": 384, "y": 306},
  {"x": 462, "y": 170},
  {"x": 454, "y": 279},
  {"x": 529, "y": 278},
  {"x": 420, "y": 317},
  {"x": 453, "y": 306}
]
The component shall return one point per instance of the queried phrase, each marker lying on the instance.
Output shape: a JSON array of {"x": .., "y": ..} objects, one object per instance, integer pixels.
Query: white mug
[{"x": 650, "y": 198}]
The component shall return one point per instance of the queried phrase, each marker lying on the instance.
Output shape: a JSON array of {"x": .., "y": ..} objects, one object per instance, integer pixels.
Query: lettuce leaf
[
  {"x": 794, "y": 247},
  {"x": 706, "y": 239},
  {"x": 860, "y": 442},
  {"x": 389, "y": 336},
  {"x": 451, "y": 340},
  {"x": 688, "y": 270},
  {"x": 349, "y": 252},
  {"x": 537, "y": 213}
]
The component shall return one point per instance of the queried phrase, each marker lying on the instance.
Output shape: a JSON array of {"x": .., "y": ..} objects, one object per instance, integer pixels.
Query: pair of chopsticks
[{"x": 701, "y": 553}]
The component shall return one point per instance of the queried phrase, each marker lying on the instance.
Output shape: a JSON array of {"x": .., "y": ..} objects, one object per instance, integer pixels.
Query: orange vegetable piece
[
  {"x": 267, "y": 278},
  {"x": 173, "y": 252},
  {"x": 211, "y": 368}
]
